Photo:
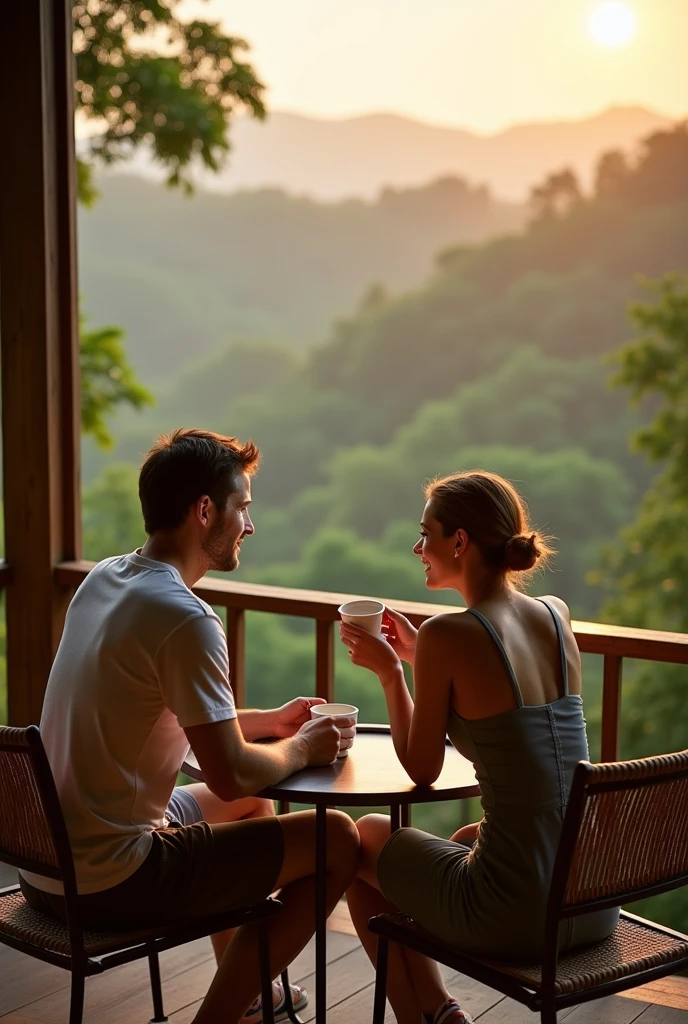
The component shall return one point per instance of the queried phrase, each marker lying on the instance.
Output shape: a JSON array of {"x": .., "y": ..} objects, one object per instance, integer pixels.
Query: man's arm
[
  {"x": 278, "y": 722},
  {"x": 255, "y": 724},
  {"x": 234, "y": 768}
]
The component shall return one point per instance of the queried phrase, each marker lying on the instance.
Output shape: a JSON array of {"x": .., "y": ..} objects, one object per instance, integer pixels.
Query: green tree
[
  {"x": 646, "y": 572},
  {"x": 145, "y": 76},
  {"x": 112, "y": 521},
  {"x": 555, "y": 196},
  {"x": 107, "y": 381}
]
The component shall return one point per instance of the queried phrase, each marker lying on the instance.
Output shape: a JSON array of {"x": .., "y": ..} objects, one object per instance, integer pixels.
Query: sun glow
[{"x": 612, "y": 23}]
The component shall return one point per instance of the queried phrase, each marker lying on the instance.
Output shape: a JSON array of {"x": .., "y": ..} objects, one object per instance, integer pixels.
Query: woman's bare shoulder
[
  {"x": 449, "y": 624},
  {"x": 558, "y": 605}
]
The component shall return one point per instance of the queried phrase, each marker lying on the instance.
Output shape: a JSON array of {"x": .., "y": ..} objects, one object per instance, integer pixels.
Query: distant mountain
[
  {"x": 187, "y": 276},
  {"x": 358, "y": 156}
]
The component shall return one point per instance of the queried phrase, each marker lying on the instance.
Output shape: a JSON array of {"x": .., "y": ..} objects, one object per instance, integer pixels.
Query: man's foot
[
  {"x": 451, "y": 1013},
  {"x": 299, "y": 998}
]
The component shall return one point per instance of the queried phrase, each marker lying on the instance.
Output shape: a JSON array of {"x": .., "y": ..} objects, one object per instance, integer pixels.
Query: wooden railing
[{"x": 613, "y": 643}]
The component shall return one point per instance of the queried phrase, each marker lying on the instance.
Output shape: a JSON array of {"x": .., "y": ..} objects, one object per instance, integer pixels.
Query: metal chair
[
  {"x": 33, "y": 837},
  {"x": 625, "y": 837}
]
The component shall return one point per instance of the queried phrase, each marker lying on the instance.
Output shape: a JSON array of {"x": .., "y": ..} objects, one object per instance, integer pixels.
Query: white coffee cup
[
  {"x": 339, "y": 711},
  {"x": 364, "y": 613}
]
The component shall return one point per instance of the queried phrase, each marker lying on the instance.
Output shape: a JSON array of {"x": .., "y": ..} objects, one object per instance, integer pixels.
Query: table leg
[
  {"x": 320, "y": 914},
  {"x": 405, "y": 815},
  {"x": 395, "y": 815}
]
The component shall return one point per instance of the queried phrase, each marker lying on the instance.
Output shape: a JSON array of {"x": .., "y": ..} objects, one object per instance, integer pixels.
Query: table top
[{"x": 371, "y": 775}]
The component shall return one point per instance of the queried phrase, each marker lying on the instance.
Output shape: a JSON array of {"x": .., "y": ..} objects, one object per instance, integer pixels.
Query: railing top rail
[{"x": 592, "y": 637}]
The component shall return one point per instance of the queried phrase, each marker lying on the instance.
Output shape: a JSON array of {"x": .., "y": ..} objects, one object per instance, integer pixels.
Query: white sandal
[{"x": 299, "y": 999}]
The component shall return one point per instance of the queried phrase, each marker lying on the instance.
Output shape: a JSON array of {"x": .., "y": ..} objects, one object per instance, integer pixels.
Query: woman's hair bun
[{"x": 522, "y": 552}]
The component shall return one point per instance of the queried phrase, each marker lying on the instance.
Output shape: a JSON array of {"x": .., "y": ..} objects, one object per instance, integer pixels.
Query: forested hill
[
  {"x": 185, "y": 276},
  {"x": 561, "y": 289},
  {"x": 563, "y": 286},
  {"x": 332, "y": 159}
]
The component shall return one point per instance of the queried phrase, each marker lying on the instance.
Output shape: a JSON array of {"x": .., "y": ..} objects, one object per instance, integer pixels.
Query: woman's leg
[
  {"x": 467, "y": 834},
  {"x": 237, "y": 981},
  {"x": 415, "y": 984}
]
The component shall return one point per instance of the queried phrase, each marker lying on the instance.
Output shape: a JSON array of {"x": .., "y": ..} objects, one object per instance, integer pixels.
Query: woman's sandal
[
  {"x": 450, "y": 1013},
  {"x": 299, "y": 999}
]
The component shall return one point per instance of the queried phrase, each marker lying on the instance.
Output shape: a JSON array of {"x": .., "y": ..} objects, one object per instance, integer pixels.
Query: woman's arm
[
  {"x": 432, "y": 683},
  {"x": 418, "y": 731}
]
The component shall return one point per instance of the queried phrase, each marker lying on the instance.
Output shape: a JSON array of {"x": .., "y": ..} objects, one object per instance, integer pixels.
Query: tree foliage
[
  {"x": 556, "y": 195},
  {"x": 646, "y": 571},
  {"x": 107, "y": 381},
  {"x": 145, "y": 76}
]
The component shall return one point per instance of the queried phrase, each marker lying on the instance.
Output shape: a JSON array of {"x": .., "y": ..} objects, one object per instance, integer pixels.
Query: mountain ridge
[{"x": 332, "y": 160}]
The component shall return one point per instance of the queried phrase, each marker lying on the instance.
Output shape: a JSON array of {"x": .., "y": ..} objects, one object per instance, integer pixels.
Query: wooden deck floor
[{"x": 36, "y": 993}]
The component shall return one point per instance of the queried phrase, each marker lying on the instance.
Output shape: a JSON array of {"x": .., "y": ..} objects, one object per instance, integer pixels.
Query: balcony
[
  {"x": 32, "y": 993},
  {"x": 40, "y": 403}
]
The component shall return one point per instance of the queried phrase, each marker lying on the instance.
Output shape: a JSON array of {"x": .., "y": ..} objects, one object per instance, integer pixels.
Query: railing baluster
[
  {"x": 324, "y": 659},
  {"x": 236, "y": 641},
  {"x": 611, "y": 704}
]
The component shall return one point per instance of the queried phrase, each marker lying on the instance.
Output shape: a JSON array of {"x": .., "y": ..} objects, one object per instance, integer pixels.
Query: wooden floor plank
[
  {"x": 663, "y": 1015},
  {"x": 672, "y": 991},
  {"x": 122, "y": 996},
  {"x": 24, "y": 979},
  {"x": 610, "y": 1010}
]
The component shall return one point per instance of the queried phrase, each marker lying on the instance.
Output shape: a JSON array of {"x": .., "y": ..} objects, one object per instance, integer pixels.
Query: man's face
[{"x": 231, "y": 525}]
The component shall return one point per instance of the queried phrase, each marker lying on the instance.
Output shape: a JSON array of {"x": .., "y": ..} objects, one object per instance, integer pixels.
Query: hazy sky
[{"x": 481, "y": 64}]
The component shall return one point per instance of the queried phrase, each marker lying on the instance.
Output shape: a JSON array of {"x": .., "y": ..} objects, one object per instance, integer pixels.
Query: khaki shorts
[{"x": 191, "y": 871}]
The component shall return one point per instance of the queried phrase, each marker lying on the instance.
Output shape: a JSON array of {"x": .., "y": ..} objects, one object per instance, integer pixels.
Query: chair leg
[
  {"x": 76, "y": 1002},
  {"x": 379, "y": 1005},
  {"x": 156, "y": 989},
  {"x": 548, "y": 1015},
  {"x": 265, "y": 973},
  {"x": 288, "y": 1003}
]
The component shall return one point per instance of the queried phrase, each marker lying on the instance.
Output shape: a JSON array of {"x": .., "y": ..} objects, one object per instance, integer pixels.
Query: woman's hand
[
  {"x": 370, "y": 651},
  {"x": 400, "y": 634}
]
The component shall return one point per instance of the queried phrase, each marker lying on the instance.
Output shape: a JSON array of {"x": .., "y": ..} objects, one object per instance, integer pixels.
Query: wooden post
[
  {"x": 39, "y": 339},
  {"x": 611, "y": 706},
  {"x": 324, "y": 659}
]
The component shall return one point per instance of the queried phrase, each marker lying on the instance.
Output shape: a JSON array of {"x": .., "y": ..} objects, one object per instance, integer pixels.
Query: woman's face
[{"x": 436, "y": 552}]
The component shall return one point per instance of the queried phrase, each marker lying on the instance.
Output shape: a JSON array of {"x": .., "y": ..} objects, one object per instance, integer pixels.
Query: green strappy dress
[{"x": 491, "y": 899}]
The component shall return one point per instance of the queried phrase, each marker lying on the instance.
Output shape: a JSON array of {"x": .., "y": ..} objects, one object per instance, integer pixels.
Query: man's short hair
[{"x": 183, "y": 466}]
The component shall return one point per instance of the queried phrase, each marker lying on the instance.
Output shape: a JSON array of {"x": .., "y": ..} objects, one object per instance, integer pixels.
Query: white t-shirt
[{"x": 141, "y": 657}]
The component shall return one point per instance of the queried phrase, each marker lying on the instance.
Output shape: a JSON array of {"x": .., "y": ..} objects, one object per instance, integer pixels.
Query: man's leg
[
  {"x": 237, "y": 981},
  {"x": 216, "y": 811}
]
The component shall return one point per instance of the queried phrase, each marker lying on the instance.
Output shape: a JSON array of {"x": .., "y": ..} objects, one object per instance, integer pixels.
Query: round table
[{"x": 370, "y": 776}]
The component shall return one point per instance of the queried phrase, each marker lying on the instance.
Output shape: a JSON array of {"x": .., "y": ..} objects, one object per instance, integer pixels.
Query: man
[{"x": 142, "y": 673}]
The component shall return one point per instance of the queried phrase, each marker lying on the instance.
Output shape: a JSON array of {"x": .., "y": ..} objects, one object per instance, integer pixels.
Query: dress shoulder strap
[
  {"x": 560, "y": 637},
  {"x": 502, "y": 650}
]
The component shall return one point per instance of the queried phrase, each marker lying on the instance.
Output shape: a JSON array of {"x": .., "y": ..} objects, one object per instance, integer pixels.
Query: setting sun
[{"x": 612, "y": 23}]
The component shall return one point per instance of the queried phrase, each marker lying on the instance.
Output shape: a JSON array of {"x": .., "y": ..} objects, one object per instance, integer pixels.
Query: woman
[{"x": 503, "y": 680}]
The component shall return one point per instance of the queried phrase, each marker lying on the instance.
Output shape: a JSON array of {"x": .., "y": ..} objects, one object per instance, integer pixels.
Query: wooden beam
[{"x": 39, "y": 332}]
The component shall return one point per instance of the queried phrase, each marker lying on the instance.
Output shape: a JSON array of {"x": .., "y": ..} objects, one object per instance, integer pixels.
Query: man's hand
[
  {"x": 322, "y": 737},
  {"x": 291, "y": 716}
]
